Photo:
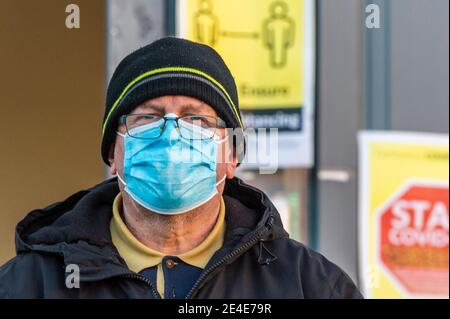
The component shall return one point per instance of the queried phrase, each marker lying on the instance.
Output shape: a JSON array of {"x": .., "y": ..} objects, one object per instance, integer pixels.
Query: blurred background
[{"x": 53, "y": 81}]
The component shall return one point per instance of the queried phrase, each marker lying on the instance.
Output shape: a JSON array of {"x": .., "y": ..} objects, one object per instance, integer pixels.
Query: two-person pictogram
[{"x": 277, "y": 30}]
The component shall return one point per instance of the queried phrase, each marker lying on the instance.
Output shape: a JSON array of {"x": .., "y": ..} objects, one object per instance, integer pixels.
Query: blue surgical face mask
[{"x": 169, "y": 175}]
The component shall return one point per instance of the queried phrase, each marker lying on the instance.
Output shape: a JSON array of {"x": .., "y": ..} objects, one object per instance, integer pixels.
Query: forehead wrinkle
[
  {"x": 150, "y": 106},
  {"x": 189, "y": 107},
  {"x": 196, "y": 108}
]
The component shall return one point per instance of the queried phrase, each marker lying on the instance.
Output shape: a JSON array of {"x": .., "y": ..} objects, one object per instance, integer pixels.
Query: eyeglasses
[{"x": 197, "y": 127}]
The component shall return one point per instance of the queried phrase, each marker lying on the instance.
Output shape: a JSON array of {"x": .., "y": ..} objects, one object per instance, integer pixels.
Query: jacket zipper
[
  {"x": 234, "y": 253},
  {"x": 205, "y": 274},
  {"x": 155, "y": 293}
]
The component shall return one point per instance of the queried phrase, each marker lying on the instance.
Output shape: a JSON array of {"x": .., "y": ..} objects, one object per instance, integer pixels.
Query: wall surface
[
  {"x": 409, "y": 88},
  {"x": 339, "y": 104},
  {"x": 52, "y": 88},
  {"x": 419, "y": 65}
]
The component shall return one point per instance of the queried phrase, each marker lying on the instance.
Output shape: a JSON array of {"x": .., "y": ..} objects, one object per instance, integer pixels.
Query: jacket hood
[{"x": 78, "y": 228}]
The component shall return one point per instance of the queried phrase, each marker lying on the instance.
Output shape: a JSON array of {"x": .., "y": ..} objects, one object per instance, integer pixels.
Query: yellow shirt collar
[{"x": 138, "y": 256}]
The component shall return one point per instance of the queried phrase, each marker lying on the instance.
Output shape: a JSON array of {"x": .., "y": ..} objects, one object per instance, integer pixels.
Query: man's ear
[
  {"x": 231, "y": 167},
  {"x": 112, "y": 163}
]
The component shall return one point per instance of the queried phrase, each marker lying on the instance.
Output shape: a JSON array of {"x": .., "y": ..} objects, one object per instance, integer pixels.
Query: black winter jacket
[{"x": 257, "y": 260}]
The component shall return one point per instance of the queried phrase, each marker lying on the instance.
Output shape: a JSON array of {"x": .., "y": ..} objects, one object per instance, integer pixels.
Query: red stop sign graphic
[{"x": 413, "y": 239}]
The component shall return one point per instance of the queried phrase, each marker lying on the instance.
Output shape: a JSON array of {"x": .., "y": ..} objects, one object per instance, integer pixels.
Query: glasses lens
[
  {"x": 197, "y": 127},
  {"x": 144, "y": 125}
]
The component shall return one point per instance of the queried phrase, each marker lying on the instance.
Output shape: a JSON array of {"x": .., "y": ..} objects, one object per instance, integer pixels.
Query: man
[{"x": 175, "y": 223}]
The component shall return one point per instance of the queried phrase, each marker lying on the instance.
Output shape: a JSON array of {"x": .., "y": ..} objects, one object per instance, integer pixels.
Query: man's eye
[
  {"x": 138, "y": 120},
  {"x": 142, "y": 118},
  {"x": 203, "y": 121}
]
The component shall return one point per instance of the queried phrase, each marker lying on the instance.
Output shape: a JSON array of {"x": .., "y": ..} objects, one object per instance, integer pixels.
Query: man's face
[{"x": 181, "y": 106}]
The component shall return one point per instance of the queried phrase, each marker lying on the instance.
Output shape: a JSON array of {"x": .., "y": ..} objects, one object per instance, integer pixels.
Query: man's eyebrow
[
  {"x": 184, "y": 109},
  {"x": 191, "y": 108}
]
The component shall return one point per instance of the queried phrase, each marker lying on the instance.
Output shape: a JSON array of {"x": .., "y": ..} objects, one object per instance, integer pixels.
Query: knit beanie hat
[{"x": 170, "y": 66}]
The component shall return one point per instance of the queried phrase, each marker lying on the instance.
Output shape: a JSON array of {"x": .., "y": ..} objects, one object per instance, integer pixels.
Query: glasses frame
[{"x": 219, "y": 123}]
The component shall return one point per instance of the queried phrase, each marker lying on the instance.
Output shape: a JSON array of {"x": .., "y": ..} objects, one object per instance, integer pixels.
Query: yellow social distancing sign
[
  {"x": 269, "y": 46},
  {"x": 262, "y": 41}
]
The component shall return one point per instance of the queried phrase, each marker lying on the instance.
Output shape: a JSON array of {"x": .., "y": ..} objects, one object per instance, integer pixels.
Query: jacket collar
[{"x": 78, "y": 227}]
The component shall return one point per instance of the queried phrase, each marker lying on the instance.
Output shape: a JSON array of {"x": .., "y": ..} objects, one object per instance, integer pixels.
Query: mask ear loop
[
  {"x": 221, "y": 180},
  {"x": 221, "y": 140},
  {"x": 121, "y": 180},
  {"x": 118, "y": 175}
]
